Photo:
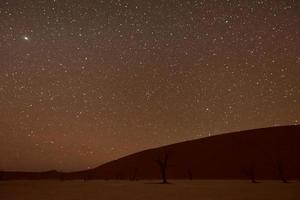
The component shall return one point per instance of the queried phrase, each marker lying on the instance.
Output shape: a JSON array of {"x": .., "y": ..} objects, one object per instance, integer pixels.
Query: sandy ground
[{"x": 148, "y": 190}]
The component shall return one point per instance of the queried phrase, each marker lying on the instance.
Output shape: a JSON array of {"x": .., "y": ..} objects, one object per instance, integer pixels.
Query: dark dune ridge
[{"x": 267, "y": 153}]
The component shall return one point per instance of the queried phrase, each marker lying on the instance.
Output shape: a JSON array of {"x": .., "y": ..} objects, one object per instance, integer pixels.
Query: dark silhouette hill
[{"x": 267, "y": 153}]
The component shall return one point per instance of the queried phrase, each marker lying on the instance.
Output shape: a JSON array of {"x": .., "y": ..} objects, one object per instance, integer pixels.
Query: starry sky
[{"x": 85, "y": 82}]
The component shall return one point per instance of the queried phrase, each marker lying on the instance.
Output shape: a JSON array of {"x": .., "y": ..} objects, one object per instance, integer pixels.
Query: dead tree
[
  {"x": 61, "y": 177},
  {"x": 134, "y": 175},
  {"x": 280, "y": 171},
  {"x": 276, "y": 159},
  {"x": 163, "y": 165},
  {"x": 119, "y": 175},
  {"x": 250, "y": 173},
  {"x": 189, "y": 172},
  {"x": 87, "y": 176}
]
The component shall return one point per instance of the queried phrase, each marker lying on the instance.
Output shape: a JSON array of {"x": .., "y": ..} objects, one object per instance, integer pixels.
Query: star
[{"x": 26, "y": 38}]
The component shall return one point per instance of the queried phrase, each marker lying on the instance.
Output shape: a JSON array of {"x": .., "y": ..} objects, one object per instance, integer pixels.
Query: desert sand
[{"x": 148, "y": 190}]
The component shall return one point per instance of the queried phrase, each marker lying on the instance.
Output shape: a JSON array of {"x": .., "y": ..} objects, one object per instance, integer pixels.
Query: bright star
[{"x": 26, "y": 38}]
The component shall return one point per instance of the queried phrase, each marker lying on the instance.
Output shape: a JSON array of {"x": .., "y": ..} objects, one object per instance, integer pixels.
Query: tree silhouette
[
  {"x": 134, "y": 175},
  {"x": 277, "y": 158},
  {"x": 280, "y": 170},
  {"x": 250, "y": 173},
  {"x": 163, "y": 165},
  {"x": 61, "y": 177},
  {"x": 190, "y": 174},
  {"x": 119, "y": 175},
  {"x": 87, "y": 176}
]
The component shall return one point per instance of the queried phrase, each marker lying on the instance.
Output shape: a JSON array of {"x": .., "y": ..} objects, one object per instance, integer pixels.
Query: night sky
[{"x": 85, "y": 82}]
